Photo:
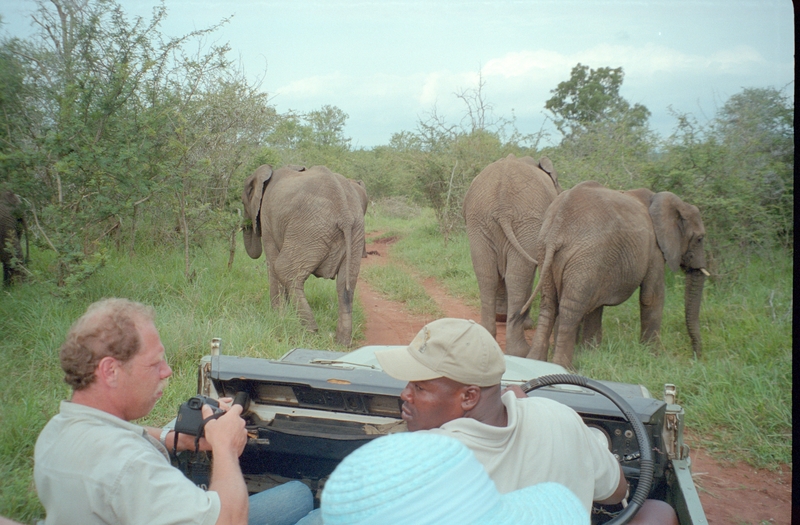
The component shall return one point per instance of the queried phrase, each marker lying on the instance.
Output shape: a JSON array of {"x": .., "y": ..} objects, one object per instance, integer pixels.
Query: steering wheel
[{"x": 645, "y": 450}]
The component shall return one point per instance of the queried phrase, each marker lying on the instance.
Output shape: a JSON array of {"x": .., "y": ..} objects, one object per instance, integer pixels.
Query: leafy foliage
[
  {"x": 315, "y": 138},
  {"x": 738, "y": 170},
  {"x": 591, "y": 96},
  {"x": 115, "y": 134},
  {"x": 121, "y": 123}
]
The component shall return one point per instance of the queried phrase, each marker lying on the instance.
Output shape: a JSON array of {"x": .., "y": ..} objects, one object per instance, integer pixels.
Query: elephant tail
[
  {"x": 347, "y": 229},
  {"x": 506, "y": 225},
  {"x": 346, "y": 222},
  {"x": 545, "y": 269}
]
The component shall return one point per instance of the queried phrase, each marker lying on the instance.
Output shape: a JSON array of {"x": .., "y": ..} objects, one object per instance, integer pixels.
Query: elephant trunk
[
  {"x": 695, "y": 280},
  {"x": 252, "y": 241}
]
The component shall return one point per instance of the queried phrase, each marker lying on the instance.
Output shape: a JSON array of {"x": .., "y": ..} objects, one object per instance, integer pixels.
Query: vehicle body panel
[{"x": 311, "y": 408}]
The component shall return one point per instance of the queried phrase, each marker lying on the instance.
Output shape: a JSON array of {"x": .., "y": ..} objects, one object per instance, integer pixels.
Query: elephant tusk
[{"x": 705, "y": 272}]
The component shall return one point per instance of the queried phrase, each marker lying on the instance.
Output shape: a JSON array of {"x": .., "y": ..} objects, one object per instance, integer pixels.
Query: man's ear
[
  {"x": 470, "y": 397},
  {"x": 107, "y": 371}
]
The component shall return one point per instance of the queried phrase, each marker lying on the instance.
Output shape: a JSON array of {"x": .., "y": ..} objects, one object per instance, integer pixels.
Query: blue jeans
[
  {"x": 313, "y": 518},
  {"x": 282, "y": 505}
]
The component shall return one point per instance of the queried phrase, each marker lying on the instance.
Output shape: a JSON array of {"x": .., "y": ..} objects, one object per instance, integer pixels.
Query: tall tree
[
  {"x": 605, "y": 138},
  {"x": 592, "y": 96}
]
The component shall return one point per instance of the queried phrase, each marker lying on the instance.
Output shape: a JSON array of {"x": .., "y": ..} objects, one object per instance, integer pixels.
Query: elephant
[
  {"x": 309, "y": 222},
  {"x": 12, "y": 226},
  {"x": 597, "y": 246},
  {"x": 503, "y": 210},
  {"x": 361, "y": 190}
]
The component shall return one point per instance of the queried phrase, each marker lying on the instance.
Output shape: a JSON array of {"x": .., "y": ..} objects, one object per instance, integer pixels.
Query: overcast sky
[{"x": 388, "y": 63}]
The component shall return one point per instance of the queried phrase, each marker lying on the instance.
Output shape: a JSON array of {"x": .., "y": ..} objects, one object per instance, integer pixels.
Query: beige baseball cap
[{"x": 459, "y": 349}]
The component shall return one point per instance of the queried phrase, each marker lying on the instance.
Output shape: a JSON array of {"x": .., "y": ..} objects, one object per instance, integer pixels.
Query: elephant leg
[
  {"x": 592, "y": 327},
  {"x": 570, "y": 315},
  {"x": 485, "y": 266},
  {"x": 548, "y": 306},
  {"x": 501, "y": 302},
  {"x": 554, "y": 343},
  {"x": 292, "y": 275},
  {"x": 651, "y": 309},
  {"x": 277, "y": 292},
  {"x": 297, "y": 295},
  {"x": 527, "y": 322},
  {"x": 6, "y": 254},
  {"x": 519, "y": 284}
]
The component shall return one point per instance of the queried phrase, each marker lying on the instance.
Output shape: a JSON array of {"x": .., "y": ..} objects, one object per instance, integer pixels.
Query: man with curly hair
[{"x": 94, "y": 466}]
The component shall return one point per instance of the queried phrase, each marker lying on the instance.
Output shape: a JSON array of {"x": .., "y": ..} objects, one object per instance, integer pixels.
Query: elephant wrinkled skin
[
  {"x": 597, "y": 246},
  {"x": 309, "y": 222},
  {"x": 503, "y": 210},
  {"x": 12, "y": 226}
]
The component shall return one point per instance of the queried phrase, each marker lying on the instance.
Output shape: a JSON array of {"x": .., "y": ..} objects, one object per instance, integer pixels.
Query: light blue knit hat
[{"x": 418, "y": 478}]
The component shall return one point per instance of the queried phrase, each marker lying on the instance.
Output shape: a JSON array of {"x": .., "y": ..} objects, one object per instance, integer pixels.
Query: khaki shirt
[
  {"x": 93, "y": 468},
  {"x": 544, "y": 441}
]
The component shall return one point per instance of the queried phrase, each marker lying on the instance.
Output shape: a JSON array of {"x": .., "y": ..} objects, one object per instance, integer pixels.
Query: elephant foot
[
  {"x": 344, "y": 336},
  {"x": 563, "y": 360},
  {"x": 310, "y": 326},
  {"x": 518, "y": 350},
  {"x": 539, "y": 355}
]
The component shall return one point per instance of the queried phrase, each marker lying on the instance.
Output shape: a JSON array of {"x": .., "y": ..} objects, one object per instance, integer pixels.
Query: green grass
[
  {"x": 737, "y": 396},
  {"x": 233, "y": 305},
  {"x": 396, "y": 280},
  {"x": 397, "y": 284}
]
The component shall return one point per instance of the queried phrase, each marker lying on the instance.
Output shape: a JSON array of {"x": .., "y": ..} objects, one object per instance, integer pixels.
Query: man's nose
[
  {"x": 405, "y": 395},
  {"x": 167, "y": 371}
]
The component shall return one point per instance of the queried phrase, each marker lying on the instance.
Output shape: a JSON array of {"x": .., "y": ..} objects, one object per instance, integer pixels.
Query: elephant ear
[
  {"x": 644, "y": 195},
  {"x": 254, "y": 191},
  {"x": 252, "y": 195},
  {"x": 668, "y": 223},
  {"x": 547, "y": 166}
]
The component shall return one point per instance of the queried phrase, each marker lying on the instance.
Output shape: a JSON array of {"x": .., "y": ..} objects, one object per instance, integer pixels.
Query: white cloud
[
  {"x": 524, "y": 63},
  {"x": 521, "y": 82},
  {"x": 638, "y": 60}
]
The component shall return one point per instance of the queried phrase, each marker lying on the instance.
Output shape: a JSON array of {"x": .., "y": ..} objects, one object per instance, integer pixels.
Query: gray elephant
[
  {"x": 597, "y": 246},
  {"x": 361, "y": 190},
  {"x": 12, "y": 226},
  {"x": 309, "y": 222},
  {"x": 503, "y": 209}
]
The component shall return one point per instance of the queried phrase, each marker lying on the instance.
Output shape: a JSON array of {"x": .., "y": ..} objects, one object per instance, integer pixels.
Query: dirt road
[{"x": 731, "y": 494}]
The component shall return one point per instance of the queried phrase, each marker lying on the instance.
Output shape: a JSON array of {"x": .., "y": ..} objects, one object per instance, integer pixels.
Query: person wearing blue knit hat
[{"x": 420, "y": 478}]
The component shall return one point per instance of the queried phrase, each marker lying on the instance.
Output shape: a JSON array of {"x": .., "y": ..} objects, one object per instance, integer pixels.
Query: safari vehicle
[{"x": 311, "y": 408}]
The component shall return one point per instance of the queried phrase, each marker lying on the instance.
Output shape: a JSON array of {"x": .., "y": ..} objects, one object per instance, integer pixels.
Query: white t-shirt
[
  {"x": 544, "y": 441},
  {"x": 93, "y": 468}
]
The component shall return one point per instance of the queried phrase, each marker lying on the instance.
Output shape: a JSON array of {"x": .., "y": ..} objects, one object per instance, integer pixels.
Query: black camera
[{"x": 190, "y": 415}]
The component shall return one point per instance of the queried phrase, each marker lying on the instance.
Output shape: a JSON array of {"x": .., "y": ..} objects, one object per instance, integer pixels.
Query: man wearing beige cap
[{"x": 453, "y": 368}]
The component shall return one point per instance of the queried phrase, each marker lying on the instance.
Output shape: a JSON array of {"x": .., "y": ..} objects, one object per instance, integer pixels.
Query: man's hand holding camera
[
  {"x": 188, "y": 440},
  {"x": 227, "y": 432}
]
